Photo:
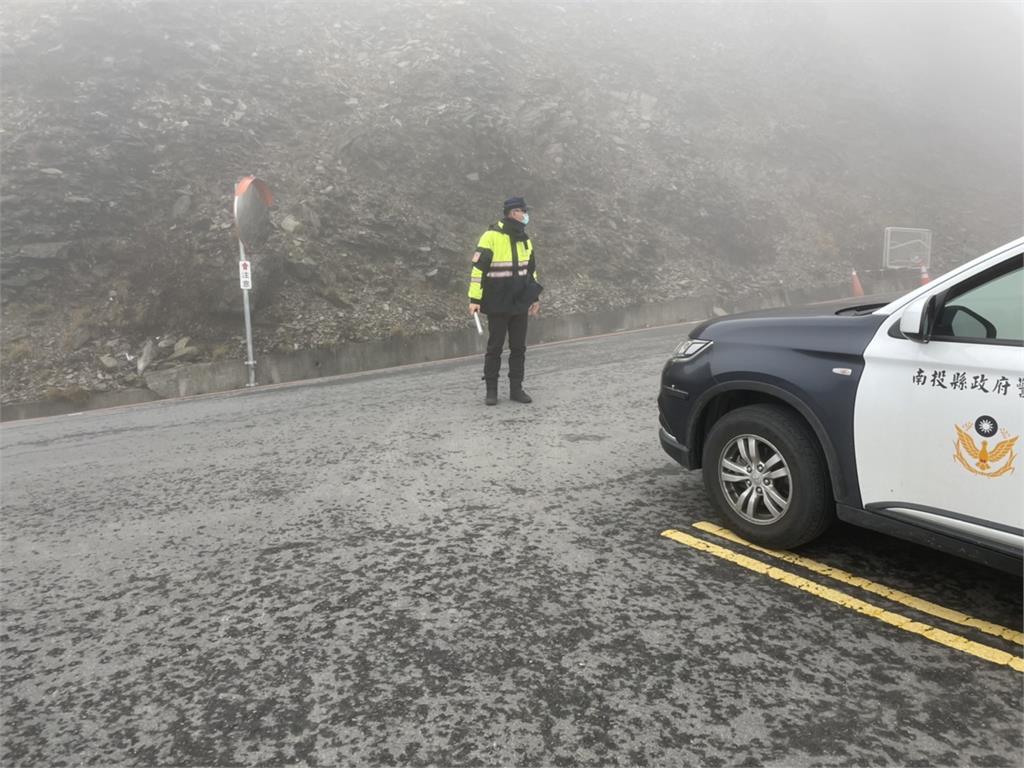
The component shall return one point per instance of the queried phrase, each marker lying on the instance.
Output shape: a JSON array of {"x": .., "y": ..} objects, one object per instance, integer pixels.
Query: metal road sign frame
[{"x": 907, "y": 248}]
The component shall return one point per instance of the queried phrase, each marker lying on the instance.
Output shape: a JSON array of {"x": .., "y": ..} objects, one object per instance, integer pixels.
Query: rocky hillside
[{"x": 665, "y": 150}]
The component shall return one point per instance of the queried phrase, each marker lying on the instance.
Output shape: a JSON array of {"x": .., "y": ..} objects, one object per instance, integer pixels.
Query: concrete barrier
[
  {"x": 197, "y": 378},
  {"x": 35, "y": 410},
  {"x": 203, "y": 378}
]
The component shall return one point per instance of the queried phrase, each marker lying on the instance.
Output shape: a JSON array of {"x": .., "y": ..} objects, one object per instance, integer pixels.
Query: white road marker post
[{"x": 245, "y": 279}]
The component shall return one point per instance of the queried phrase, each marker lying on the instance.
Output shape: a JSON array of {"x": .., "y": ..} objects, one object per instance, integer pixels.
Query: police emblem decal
[
  {"x": 983, "y": 460},
  {"x": 986, "y": 426}
]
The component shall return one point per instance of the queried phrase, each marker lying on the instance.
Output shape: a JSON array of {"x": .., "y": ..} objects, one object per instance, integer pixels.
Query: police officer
[{"x": 503, "y": 285}]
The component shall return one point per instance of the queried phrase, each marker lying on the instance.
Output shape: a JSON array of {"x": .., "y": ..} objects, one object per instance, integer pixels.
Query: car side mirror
[{"x": 917, "y": 318}]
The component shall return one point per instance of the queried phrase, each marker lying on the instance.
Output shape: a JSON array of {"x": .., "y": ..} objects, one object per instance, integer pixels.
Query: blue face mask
[{"x": 526, "y": 219}]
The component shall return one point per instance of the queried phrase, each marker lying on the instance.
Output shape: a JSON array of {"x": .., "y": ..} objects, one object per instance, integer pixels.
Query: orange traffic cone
[
  {"x": 925, "y": 279},
  {"x": 857, "y": 289}
]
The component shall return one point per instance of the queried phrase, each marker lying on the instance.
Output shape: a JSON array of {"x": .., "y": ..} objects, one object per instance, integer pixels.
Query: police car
[{"x": 904, "y": 418}]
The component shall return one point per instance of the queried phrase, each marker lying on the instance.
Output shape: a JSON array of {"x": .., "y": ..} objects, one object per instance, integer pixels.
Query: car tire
[{"x": 765, "y": 473}]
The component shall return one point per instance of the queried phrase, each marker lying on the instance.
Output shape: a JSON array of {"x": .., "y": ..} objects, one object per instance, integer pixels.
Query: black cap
[{"x": 514, "y": 202}]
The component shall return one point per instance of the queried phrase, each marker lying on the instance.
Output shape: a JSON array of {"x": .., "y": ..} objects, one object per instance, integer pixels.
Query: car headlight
[{"x": 690, "y": 349}]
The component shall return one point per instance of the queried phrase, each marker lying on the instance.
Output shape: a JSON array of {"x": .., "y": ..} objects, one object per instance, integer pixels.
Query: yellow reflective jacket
[{"x": 504, "y": 275}]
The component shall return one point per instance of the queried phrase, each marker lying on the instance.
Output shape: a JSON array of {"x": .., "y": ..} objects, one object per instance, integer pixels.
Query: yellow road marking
[
  {"x": 895, "y": 595},
  {"x": 934, "y": 634}
]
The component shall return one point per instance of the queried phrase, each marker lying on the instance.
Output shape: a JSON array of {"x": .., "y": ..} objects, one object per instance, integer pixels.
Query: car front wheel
[{"x": 765, "y": 473}]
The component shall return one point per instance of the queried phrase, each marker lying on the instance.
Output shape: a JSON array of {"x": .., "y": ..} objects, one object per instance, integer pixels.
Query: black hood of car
[{"x": 842, "y": 323}]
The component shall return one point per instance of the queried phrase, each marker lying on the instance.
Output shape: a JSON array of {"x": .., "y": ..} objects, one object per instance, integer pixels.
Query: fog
[{"x": 667, "y": 150}]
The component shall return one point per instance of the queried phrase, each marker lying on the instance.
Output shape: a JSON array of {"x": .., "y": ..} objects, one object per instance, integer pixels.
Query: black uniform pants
[{"x": 498, "y": 327}]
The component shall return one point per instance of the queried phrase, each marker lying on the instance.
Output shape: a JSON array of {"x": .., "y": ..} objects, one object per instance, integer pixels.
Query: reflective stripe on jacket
[{"x": 503, "y": 270}]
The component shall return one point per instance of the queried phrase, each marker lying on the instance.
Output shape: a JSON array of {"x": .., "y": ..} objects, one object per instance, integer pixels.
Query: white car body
[{"x": 913, "y": 463}]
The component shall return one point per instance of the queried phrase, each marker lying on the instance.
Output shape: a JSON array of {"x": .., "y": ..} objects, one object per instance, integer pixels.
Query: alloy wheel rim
[{"x": 755, "y": 479}]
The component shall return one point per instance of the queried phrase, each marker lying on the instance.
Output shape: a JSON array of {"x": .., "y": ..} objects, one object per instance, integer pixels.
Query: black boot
[
  {"x": 517, "y": 393},
  {"x": 492, "y": 392}
]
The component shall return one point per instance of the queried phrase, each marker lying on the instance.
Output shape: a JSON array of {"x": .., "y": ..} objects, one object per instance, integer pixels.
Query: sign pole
[
  {"x": 243, "y": 265},
  {"x": 252, "y": 204}
]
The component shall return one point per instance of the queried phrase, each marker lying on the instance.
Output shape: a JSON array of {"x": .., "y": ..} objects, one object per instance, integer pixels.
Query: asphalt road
[{"x": 380, "y": 569}]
